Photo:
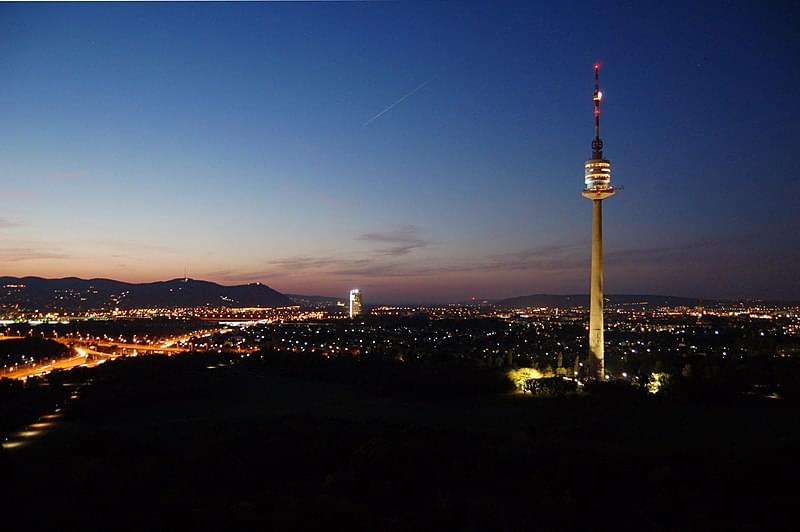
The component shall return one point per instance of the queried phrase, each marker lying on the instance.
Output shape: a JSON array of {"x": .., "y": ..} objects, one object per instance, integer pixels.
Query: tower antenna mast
[{"x": 597, "y": 143}]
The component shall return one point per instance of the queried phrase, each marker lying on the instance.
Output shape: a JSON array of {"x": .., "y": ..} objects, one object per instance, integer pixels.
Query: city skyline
[{"x": 264, "y": 143}]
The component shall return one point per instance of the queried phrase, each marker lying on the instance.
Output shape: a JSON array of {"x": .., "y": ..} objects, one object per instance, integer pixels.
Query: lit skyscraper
[
  {"x": 597, "y": 187},
  {"x": 355, "y": 302}
]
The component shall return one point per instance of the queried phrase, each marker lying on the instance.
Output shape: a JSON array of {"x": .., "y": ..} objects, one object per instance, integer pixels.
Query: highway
[
  {"x": 65, "y": 363},
  {"x": 90, "y": 357},
  {"x": 161, "y": 348}
]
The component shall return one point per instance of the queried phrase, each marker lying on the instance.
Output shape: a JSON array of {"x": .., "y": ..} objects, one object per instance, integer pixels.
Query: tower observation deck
[{"x": 597, "y": 187}]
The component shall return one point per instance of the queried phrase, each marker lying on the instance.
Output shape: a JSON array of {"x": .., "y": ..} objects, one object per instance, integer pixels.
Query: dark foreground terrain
[{"x": 222, "y": 442}]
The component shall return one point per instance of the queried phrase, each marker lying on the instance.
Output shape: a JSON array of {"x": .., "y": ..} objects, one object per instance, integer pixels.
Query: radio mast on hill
[{"x": 597, "y": 187}]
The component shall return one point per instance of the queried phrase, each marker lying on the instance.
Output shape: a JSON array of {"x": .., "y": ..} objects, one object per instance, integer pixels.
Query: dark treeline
[
  {"x": 36, "y": 347},
  {"x": 22, "y": 402},
  {"x": 32, "y": 348},
  {"x": 428, "y": 377},
  {"x": 305, "y": 442}
]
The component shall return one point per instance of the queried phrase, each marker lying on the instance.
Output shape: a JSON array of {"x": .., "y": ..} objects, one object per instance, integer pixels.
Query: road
[
  {"x": 161, "y": 348},
  {"x": 90, "y": 357},
  {"x": 64, "y": 363}
]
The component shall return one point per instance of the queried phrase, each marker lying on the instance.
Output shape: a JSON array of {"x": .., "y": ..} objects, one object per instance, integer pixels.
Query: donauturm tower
[{"x": 597, "y": 187}]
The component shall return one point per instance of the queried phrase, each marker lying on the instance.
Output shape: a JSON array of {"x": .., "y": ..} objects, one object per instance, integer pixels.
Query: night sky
[{"x": 419, "y": 151}]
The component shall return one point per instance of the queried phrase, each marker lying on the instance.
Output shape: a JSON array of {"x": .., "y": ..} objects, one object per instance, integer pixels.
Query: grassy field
[{"x": 211, "y": 442}]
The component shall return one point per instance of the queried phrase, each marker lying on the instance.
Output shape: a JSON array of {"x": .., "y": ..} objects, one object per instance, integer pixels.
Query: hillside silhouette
[{"x": 74, "y": 294}]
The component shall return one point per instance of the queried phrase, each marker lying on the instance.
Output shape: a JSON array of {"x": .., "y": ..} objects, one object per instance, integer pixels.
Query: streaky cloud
[
  {"x": 26, "y": 254},
  {"x": 399, "y": 241}
]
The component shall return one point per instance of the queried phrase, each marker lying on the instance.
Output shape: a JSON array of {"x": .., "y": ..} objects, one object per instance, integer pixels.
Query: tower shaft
[{"x": 596, "y": 348}]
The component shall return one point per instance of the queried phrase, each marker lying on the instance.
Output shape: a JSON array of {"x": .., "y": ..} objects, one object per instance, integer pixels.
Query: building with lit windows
[{"x": 355, "y": 303}]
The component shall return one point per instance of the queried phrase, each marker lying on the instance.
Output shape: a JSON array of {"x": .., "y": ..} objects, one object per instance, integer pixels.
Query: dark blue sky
[{"x": 260, "y": 142}]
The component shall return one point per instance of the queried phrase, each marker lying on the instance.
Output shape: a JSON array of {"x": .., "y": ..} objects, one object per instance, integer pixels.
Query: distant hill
[
  {"x": 582, "y": 300},
  {"x": 73, "y": 294}
]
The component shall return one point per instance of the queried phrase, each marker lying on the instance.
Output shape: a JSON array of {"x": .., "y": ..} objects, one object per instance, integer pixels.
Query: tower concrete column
[{"x": 596, "y": 362}]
